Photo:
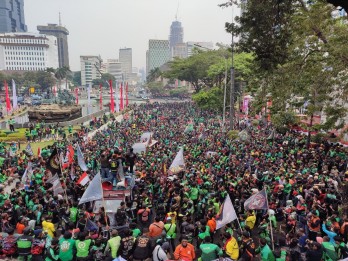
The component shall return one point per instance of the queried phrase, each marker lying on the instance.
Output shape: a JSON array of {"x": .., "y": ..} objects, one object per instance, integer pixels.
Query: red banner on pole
[
  {"x": 112, "y": 103},
  {"x": 8, "y": 101},
  {"x": 101, "y": 97},
  {"x": 121, "y": 97},
  {"x": 77, "y": 95},
  {"x": 126, "y": 94}
]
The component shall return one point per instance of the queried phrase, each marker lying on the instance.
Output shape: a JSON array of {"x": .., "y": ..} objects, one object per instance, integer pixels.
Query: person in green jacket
[
  {"x": 74, "y": 213},
  {"x": 113, "y": 244},
  {"x": 83, "y": 246},
  {"x": 209, "y": 250},
  {"x": 265, "y": 251},
  {"x": 52, "y": 252},
  {"x": 66, "y": 247}
]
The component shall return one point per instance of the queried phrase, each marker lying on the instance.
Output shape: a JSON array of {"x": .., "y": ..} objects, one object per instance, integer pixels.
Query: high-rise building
[
  {"x": 158, "y": 54},
  {"x": 125, "y": 58},
  {"x": 176, "y": 34},
  {"x": 90, "y": 68},
  {"x": 180, "y": 50},
  {"x": 114, "y": 67},
  {"x": 12, "y": 16},
  {"x": 27, "y": 52},
  {"x": 62, "y": 38}
]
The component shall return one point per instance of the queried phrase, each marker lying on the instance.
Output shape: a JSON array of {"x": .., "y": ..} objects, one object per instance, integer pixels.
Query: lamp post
[
  {"x": 232, "y": 80},
  {"x": 225, "y": 87}
]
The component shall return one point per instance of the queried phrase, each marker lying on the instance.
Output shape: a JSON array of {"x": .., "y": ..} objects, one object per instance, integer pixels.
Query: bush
[
  {"x": 2, "y": 134},
  {"x": 232, "y": 134}
]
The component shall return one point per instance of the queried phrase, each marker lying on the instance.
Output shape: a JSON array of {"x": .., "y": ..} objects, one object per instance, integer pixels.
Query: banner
[
  {"x": 77, "y": 95},
  {"x": 80, "y": 159},
  {"x": 28, "y": 173},
  {"x": 94, "y": 190},
  {"x": 29, "y": 150},
  {"x": 226, "y": 214},
  {"x": 14, "y": 95},
  {"x": 257, "y": 201},
  {"x": 8, "y": 102}
]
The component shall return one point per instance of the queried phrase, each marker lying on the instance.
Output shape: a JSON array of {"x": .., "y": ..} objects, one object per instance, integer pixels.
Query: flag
[
  {"x": 91, "y": 226},
  {"x": 14, "y": 95},
  {"x": 29, "y": 150},
  {"x": 28, "y": 173},
  {"x": 112, "y": 102},
  {"x": 116, "y": 98},
  {"x": 226, "y": 214},
  {"x": 52, "y": 179},
  {"x": 101, "y": 97},
  {"x": 94, "y": 190},
  {"x": 70, "y": 154},
  {"x": 38, "y": 152},
  {"x": 121, "y": 97},
  {"x": 126, "y": 94},
  {"x": 8, "y": 102},
  {"x": 84, "y": 179},
  {"x": 57, "y": 187},
  {"x": 178, "y": 162},
  {"x": 72, "y": 173},
  {"x": 257, "y": 201},
  {"x": 80, "y": 159},
  {"x": 53, "y": 163},
  {"x": 77, "y": 95}
]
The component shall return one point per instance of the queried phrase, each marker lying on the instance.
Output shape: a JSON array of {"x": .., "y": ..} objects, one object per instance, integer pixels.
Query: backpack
[
  {"x": 37, "y": 248},
  {"x": 145, "y": 215},
  {"x": 9, "y": 246}
]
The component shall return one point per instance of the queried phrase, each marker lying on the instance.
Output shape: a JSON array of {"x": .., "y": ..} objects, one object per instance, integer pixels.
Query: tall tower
[
  {"x": 176, "y": 34},
  {"x": 125, "y": 58},
  {"x": 12, "y": 16},
  {"x": 61, "y": 33}
]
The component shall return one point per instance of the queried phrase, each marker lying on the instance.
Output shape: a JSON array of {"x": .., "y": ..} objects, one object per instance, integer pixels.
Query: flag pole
[
  {"x": 104, "y": 204},
  {"x": 270, "y": 221},
  {"x": 65, "y": 194}
]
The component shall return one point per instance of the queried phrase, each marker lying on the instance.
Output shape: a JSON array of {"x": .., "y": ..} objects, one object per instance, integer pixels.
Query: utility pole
[{"x": 232, "y": 112}]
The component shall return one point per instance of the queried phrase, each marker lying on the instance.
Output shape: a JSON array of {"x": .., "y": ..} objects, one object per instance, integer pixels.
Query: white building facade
[
  {"x": 90, "y": 67},
  {"x": 204, "y": 46},
  {"x": 114, "y": 67},
  {"x": 158, "y": 54},
  {"x": 125, "y": 58},
  {"x": 28, "y": 52}
]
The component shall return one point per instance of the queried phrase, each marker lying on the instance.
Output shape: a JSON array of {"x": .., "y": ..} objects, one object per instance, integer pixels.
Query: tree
[
  {"x": 153, "y": 75},
  {"x": 209, "y": 99},
  {"x": 62, "y": 73},
  {"x": 156, "y": 88},
  {"x": 77, "y": 78}
]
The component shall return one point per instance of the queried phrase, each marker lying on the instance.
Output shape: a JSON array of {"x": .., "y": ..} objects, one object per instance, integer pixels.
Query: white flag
[
  {"x": 57, "y": 187},
  {"x": 80, "y": 159},
  {"x": 94, "y": 190},
  {"x": 226, "y": 214},
  {"x": 178, "y": 163},
  {"x": 28, "y": 173},
  {"x": 14, "y": 95}
]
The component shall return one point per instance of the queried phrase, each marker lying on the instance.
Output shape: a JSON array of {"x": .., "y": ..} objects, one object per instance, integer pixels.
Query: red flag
[
  {"x": 101, "y": 97},
  {"x": 121, "y": 97},
  {"x": 8, "y": 102},
  {"x": 112, "y": 103},
  {"x": 38, "y": 152},
  {"x": 84, "y": 179},
  {"x": 77, "y": 95},
  {"x": 127, "y": 94},
  {"x": 71, "y": 154}
]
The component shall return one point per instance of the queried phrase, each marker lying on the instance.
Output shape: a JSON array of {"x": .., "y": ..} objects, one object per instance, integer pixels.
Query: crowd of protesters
[{"x": 173, "y": 216}]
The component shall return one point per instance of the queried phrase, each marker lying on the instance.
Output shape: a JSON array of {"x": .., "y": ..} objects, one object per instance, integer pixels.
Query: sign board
[{"x": 32, "y": 90}]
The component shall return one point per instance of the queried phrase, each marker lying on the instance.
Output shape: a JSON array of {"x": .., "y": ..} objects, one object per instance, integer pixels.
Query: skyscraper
[
  {"x": 176, "y": 34},
  {"x": 12, "y": 16},
  {"x": 158, "y": 54},
  {"x": 125, "y": 58},
  {"x": 62, "y": 38},
  {"x": 90, "y": 67}
]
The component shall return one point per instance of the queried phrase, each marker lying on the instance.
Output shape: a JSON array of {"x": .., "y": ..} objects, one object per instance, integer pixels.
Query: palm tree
[{"x": 61, "y": 73}]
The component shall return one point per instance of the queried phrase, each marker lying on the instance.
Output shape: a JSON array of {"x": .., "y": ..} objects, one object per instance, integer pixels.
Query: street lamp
[
  {"x": 225, "y": 87},
  {"x": 232, "y": 80}
]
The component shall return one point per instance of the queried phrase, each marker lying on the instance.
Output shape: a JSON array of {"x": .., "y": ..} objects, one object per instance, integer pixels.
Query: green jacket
[
  {"x": 66, "y": 249},
  {"x": 210, "y": 251},
  {"x": 266, "y": 253}
]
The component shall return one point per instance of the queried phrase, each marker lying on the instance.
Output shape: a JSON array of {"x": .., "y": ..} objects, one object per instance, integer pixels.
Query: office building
[
  {"x": 125, "y": 58},
  {"x": 199, "y": 45},
  {"x": 62, "y": 38},
  {"x": 158, "y": 54},
  {"x": 12, "y": 16},
  {"x": 90, "y": 68},
  {"x": 114, "y": 67},
  {"x": 27, "y": 52},
  {"x": 180, "y": 50},
  {"x": 176, "y": 34}
]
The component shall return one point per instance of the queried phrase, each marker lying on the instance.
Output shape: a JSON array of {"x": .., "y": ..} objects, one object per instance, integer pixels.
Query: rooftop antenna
[
  {"x": 60, "y": 20},
  {"x": 177, "y": 10}
]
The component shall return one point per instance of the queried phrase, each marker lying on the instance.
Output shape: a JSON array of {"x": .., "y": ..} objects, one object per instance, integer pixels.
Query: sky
[{"x": 102, "y": 27}]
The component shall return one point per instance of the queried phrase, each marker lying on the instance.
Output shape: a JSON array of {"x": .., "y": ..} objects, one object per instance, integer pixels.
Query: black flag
[{"x": 53, "y": 163}]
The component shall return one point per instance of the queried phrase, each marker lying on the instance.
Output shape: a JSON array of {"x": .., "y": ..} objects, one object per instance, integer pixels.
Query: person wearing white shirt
[{"x": 159, "y": 253}]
